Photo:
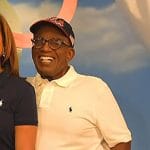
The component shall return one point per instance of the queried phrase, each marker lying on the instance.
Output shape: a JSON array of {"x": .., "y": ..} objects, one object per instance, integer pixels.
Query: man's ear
[{"x": 70, "y": 54}]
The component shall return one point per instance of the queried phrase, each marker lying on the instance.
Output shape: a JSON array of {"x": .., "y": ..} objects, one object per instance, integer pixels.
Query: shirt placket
[{"x": 46, "y": 96}]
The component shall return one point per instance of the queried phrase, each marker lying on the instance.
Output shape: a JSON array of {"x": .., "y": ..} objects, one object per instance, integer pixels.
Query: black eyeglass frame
[{"x": 58, "y": 43}]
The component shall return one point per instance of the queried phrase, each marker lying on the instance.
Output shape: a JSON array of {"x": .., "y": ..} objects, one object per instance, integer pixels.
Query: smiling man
[{"x": 76, "y": 112}]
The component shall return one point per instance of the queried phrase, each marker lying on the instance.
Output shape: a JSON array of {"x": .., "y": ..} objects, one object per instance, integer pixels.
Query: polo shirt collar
[
  {"x": 67, "y": 79},
  {"x": 64, "y": 81}
]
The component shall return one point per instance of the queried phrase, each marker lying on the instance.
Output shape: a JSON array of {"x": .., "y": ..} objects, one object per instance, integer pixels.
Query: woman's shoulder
[{"x": 19, "y": 82}]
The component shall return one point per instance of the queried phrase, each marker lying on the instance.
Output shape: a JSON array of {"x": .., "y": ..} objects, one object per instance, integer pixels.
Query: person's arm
[
  {"x": 25, "y": 137},
  {"x": 25, "y": 118},
  {"x": 111, "y": 121},
  {"x": 122, "y": 146}
]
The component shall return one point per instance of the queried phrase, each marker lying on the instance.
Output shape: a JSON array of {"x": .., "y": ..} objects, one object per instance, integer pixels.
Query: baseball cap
[{"x": 60, "y": 23}]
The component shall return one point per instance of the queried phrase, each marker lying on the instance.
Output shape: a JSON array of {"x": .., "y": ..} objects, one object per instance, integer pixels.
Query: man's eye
[
  {"x": 58, "y": 42},
  {"x": 38, "y": 39},
  {"x": 37, "y": 42}
]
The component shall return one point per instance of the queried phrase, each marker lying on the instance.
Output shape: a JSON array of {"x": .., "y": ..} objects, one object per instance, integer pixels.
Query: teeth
[{"x": 46, "y": 59}]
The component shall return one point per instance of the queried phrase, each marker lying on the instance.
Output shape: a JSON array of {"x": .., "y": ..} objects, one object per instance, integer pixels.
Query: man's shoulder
[
  {"x": 31, "y": 80},
  {"x": 92, "y": 80}
]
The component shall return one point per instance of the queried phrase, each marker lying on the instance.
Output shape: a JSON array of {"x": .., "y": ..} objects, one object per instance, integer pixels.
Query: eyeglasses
[{"x": 52, "y": 43}]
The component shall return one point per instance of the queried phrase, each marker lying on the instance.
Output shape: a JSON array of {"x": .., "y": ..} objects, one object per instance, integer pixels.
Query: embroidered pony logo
[{"x": 1, "y": 103}]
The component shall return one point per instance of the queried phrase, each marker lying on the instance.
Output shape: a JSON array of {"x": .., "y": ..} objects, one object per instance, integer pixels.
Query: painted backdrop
[{"x": 112, "y": 42}]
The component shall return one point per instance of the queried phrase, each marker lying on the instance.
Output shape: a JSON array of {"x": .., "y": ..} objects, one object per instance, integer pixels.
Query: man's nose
[{"x": 46, "y": 46}]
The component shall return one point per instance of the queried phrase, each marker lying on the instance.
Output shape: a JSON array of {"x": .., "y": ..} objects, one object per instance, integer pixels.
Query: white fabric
[
  {"x": 46, "y": 96},
  {"x": 80, "y": 114}
]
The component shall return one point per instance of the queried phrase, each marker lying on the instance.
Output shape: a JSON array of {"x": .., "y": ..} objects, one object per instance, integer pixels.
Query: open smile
[{"x": 46, "y": 59}]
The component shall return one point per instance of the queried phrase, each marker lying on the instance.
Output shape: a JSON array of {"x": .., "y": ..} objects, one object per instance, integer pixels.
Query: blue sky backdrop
[
  {"x": 112, "y": 42},
  {"x": 84, "y": 3}
]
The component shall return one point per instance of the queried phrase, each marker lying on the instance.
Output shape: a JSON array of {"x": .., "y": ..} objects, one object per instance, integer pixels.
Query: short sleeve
[
  {"x": 26, "y": 110},
  {"x": 109, "y": 118}
]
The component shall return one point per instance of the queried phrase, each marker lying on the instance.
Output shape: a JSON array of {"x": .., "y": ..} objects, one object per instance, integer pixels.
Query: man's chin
[{"x": 45, "y": 74}]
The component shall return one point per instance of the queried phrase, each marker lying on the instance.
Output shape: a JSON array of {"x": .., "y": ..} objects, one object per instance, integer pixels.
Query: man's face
[{"x": 51, "y": 63}]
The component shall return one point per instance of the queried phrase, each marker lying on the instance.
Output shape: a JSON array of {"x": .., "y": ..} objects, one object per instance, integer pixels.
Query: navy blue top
[{"x": 17, "y": 107}]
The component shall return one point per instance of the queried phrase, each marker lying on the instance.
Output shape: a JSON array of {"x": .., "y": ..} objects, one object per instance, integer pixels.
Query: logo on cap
[{"x": 57, "y": 21}]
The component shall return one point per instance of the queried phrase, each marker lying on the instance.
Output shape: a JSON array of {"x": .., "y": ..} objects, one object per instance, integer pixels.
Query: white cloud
[
  {"x": 9, "y": 13},
  {"x": 139, "y": 13},
  {"x": 107, "y": 39},
  {"x": 104, "y": 37},
  {"x": 28, "y": 14}
]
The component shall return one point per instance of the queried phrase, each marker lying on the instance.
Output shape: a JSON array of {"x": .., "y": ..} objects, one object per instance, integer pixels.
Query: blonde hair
[{"x": 10, "y": 61}]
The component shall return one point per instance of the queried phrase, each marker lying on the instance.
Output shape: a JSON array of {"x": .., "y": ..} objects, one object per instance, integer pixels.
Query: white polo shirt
[{"x": 77, "y": 112}]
